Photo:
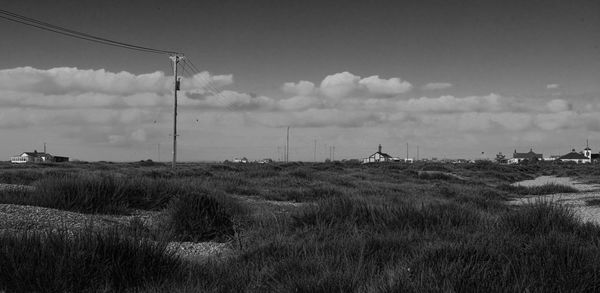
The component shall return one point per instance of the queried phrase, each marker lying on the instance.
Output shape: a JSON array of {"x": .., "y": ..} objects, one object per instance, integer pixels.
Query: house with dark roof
[
  {"x": 530, "y": 156},
  {"x": 379, "y": 157},
  {"x": 37, "y": 157},
  {"x": 576, "y": 157}
]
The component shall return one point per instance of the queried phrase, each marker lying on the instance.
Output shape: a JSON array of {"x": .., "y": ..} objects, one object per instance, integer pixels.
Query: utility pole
[
  {"x": 44, "y": 148},
  {"x": 287, "y": 146},
  {"x": 278, "y": 153},
  {"x": 176, "y": 59},
  {"x": 407, "y": 151},
  {"x": 333, "y": 154},
  {"x": 417, "y": 152},
  {"x": 158, "y": 152},
  {"x": 315, "y": 152}
]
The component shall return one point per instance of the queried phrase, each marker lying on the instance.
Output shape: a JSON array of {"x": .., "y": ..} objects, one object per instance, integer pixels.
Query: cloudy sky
[{"x": 456, "y": 78}]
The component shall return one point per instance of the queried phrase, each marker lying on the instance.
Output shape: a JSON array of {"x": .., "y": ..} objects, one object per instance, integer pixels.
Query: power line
[{"x": 76, "y": 34}]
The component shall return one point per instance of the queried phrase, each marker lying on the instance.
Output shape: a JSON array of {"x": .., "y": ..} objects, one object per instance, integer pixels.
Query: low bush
[
  {"x": 550, "y": 188},
  {"x": 20, "y": 176},
  {"x": 540, "y": 218},
  {"x": 501, "y": 262},
  {"x": 197, "y": 216},
  {"x": 86, "y": 193},
  {"x": 60, "y": 262},
  {"x": 96, "y": 193},
  {"x": 342, "y": 210}
]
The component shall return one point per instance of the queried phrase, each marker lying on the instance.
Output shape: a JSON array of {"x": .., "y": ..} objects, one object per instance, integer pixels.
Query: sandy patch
[
  {"x": 559, "y": 180},
  {"x": 577, "y": 201}
]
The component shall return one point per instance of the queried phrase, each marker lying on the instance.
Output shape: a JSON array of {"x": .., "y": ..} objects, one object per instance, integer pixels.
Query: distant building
[
  {"x": 379, "y": 157},
  {"x": 37, "y": 157},
  {"x": 529, "y": 156},
  {"x": 551, "y": 158},
  {"x": 242, "y": 160},
  {"x": 576, "y": 157}
]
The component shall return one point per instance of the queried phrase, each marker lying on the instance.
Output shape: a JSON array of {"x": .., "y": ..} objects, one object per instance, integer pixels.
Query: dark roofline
[
  {"x": 573, "y": 156},
  {"x": 382, "y": 154}
]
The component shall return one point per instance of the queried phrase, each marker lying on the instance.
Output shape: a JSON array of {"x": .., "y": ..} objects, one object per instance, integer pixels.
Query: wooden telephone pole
[{"x": 176, "y": 59}]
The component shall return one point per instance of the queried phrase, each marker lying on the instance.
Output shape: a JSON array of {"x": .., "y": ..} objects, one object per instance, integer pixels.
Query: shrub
[
  {"x": 59, "y": 262},
  {"x": 96, "y": 193},
  {"x": 501, "y": 262},
  {"x": 550, "y": 188},
  {"x": 349, "y": 211},
  {"x": 540, "y": 218},
  {"x": 87, "y": 193},
  {"x": 197, "y": 217}
]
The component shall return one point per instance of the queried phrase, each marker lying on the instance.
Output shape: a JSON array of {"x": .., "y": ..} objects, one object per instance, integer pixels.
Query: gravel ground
[
  {"x": 19, "y": 218},
  {"x": 577, "y": 201}
]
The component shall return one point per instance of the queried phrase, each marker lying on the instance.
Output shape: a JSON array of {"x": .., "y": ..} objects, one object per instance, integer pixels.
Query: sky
[{"x": 457, "y": 79}]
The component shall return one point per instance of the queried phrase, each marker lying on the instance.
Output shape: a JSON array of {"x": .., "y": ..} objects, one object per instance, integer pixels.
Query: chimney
[{"x": 379, "y": 148}]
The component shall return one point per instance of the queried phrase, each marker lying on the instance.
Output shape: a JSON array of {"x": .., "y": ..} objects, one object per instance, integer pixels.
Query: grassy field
[{"x": 361, "y": 228}]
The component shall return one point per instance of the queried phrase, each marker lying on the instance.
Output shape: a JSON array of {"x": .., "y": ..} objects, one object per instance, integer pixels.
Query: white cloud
[
  {"x": 230, "y": 100},
  {"x": 558, "y": 105},
  {"x": 437, "y": 86},
  {"x": 340, "y": 84},
  {"x": 489, "y": 103},
  {"x": 299, "y": 103},
  {"x": 391, "y": 87},
  {"x": 552, "y": 86},
  {"x": 301, "y": 88},
  {"x": 73, "y": 81},
  {"x": 556, "y": 121},
  {"x": 319, "y": 118}
]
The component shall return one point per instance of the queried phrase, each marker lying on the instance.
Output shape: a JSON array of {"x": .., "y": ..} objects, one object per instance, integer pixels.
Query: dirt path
[{"x": 577, "y": 201}]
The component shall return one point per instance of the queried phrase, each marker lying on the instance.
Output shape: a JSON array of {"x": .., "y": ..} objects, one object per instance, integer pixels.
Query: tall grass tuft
[
  {"x": 543, "y": 217},
  {"x": 60, "y": 262},
  {"x": 550, "y": 188},
  {"x": 343, "y": 210},
  {"x": 96, "y": 193},
  {"x": 197, "y": 216},
  {"x": 86, "y": 193}
]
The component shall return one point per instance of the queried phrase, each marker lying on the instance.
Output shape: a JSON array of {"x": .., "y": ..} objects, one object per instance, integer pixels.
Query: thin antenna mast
[
  {"x": 315, "y": 152},
  {"x": 287, "y": 146}
]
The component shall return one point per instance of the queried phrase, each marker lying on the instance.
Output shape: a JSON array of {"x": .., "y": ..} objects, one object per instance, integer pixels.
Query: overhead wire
[
  {"x": 77, "y": 34},
  {"x": 208, "y": 87}
]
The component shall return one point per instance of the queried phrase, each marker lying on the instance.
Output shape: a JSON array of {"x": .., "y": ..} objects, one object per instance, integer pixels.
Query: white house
[
  {"x": 583, "y": 157},
  {"x": 37, "y": 157},
  {"x": 31, "y": 157},
  {"x": 240, "y": 160},
  {"x": 379, "y": 157},
  {"x": 530, "y": 156}
]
